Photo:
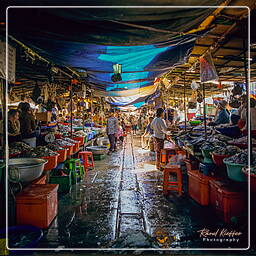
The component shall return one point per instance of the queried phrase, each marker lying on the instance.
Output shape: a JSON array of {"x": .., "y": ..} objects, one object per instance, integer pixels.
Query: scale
[{"x": 49, "y": 138}]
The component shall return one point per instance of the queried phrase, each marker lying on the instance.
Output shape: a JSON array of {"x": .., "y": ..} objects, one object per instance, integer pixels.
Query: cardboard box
[{"x": 44, "y": 116}]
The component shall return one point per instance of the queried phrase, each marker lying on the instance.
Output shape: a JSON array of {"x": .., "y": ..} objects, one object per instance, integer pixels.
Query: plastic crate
[
  {"x": 99, "y": 156},
  {"x": 226, "y": 200},
  {"x": 52, "y": 162},
  {"x": 198, "y": 187},
  {"x": 64, "y": 182},
  {"x": 37, "y": 205},
  {"x": 62, "y": 155}
]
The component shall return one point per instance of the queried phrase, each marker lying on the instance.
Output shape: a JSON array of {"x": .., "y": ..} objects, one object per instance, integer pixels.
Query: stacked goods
[
  {"x": 54, "y": 147},
  {"x": 40, "y": 151},
  {"x": 220, "y": 153},
  {"x": 236, "y": 163},
  {"x": 65, "y": 144},
  {"x": 18, "y": 148},
  {"x": 60, "y": 150},
  {"x": 228, "y": 150}
]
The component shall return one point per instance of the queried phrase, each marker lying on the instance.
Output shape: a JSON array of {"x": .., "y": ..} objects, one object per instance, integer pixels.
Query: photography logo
[{"x": 220, "y": 235}]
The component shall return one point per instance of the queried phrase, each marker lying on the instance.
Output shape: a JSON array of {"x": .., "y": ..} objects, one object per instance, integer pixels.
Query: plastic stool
[
  {"x": 87, "y": 158},
  {"x": 165, "y": 154},
  {"x": 73, "y": 163},
  {"x": 172, "y": 185}
]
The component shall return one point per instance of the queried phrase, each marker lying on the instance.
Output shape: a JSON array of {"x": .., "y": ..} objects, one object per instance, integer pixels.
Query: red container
[
  {"x": 62, "y": 155},
  {"x": 227, "y": 201},
  {"x": 76, "y": 147},
  {"x": 57, "y": 136},
  {"x": 52, "y": 162},
  {"x": 198, "y": 187},
  {"x": 190, "y": 165},
  {"x": 40, "y": 180},
  {"x": 69, "y": 149},
  {"x": 80, "y": 139},
  {"x": 252, "y": 180},
  {"x": 37, "y": 205},
  {"x": 218, "y": 159}
]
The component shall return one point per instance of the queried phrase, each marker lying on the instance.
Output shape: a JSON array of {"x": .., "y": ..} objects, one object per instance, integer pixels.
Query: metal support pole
[
  {"x": 185, "y": 109},
  {"x": 91, "y": 107},
  {"x": 71, "y": 108},
  {"x": 248, "y": 114},
  {"x": 204, "y": 106}
]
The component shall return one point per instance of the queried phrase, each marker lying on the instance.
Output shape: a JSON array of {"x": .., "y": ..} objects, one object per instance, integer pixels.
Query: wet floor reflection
[{"x": 120, "y": 204}]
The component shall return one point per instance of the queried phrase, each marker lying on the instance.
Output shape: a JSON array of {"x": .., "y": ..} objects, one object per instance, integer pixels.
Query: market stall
[{"x": 81, "y": 113}]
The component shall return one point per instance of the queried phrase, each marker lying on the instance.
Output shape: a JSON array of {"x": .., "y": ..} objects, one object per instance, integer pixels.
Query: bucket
[
  {"x": 218, "y": 159},
  {"x": 235, "y": 171}
]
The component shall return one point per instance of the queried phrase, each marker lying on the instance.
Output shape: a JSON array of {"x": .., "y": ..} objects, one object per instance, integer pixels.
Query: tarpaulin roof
[{"x": 146, "y": 41}]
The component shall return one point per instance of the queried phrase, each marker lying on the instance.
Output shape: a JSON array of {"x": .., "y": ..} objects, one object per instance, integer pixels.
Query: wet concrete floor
[{"x": 120, "y": 204}]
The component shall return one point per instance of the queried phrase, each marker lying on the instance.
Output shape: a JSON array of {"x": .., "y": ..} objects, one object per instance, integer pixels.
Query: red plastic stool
[
  {"x": 172, "y": 185},
  {"x": 165, "y": 154},
  {"x": 87, "y": 158}
]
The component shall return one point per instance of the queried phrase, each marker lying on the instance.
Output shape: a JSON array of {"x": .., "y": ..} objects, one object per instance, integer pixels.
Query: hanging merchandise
[
  {"x": 166, "y": 82},
  {"x": 194, "y": 85},
  {"x": 207, "y": 69},
  {"x": 36, "y": 94},
  {"x": 199, "y": 97},
  {"x": 193, "y": 96},
  {"x": 45, "y": 93}
]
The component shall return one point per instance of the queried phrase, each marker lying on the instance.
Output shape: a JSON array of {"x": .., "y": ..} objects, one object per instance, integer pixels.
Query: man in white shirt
[{"x": 160, "y": 128}]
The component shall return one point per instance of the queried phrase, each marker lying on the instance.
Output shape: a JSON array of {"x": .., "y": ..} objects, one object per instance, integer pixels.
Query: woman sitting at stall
[
  {"x": 27, "y": 125},
  {"x": 222, "y": 116},
  {"x": 13, "y": 126},
  {"x": 243, "y": 124}
]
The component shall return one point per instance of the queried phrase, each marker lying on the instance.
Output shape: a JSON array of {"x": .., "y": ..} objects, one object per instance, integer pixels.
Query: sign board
[
  {"x": 207, "y": 69},
  {"x": 11, "y": 62}
]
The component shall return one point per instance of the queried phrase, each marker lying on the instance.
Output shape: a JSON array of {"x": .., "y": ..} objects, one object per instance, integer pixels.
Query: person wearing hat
[{"x": 222, "y": 116}]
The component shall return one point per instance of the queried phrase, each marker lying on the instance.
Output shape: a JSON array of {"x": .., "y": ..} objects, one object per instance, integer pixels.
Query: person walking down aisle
[
  {"x": 112, "y": 130},
  {"x": 27, "y": 125},
  {"x": 160, "y": 128},
  {"x": 147, "y": 134}
]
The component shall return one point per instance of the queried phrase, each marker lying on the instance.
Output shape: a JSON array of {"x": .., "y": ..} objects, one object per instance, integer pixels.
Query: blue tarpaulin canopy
[{"x": 86, "y": 40}]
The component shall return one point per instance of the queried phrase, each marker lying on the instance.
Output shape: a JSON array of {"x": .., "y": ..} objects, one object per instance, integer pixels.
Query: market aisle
[{"x": 121, "y": 205}]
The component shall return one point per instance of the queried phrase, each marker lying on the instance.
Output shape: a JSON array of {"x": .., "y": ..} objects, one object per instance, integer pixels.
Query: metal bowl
[
  {"x": 98, "y": 150},
  {"x": 25, "y": 169}
]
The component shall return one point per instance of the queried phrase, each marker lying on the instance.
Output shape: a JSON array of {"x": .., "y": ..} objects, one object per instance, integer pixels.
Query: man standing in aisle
[
  {"x": 112, "y": 130},
  {"x": 160, "y": 128}
]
